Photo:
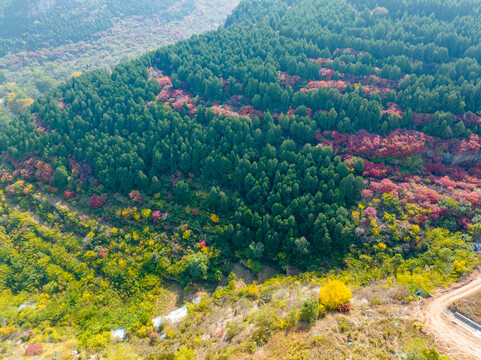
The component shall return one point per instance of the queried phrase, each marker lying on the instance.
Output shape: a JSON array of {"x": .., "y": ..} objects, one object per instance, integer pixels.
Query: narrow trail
[{"x": 454, "y": 338}]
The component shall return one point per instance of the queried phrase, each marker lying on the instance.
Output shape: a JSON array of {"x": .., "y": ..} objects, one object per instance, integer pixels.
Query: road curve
[{"x": 452, "y": 337}]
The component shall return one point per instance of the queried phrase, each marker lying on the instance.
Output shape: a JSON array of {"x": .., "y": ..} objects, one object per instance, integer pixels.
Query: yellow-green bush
[{"x": 334, "y": 294}]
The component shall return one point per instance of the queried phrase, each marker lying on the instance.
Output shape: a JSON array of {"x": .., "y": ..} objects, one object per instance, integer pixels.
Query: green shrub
[{"x": 309, "y": 311}]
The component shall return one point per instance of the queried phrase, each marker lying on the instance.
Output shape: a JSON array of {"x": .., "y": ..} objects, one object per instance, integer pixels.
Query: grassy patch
[{"x": 469, "y": 306}]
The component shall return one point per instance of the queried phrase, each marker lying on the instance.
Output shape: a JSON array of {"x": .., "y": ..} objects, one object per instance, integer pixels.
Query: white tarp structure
[
  {"x": 26, "y": 305},
  {"x": 118, "y": 334},
  {"x": 173, "y": 317}
]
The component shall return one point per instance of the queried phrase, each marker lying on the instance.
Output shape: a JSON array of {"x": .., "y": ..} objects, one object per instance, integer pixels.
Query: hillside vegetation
[
  {"x": 320, "y": 139},
  {"x": 46, "y": 42},
  {"x": 29, "y": 25}
]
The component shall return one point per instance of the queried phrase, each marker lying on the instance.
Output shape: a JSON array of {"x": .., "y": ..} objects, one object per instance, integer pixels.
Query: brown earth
[
  {"x": 469, "y": 306},
  {"x": 453, "y": 337}
]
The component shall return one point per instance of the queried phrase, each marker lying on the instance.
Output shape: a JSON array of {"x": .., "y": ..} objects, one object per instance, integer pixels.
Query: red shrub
[
  {"x": 473, "y": 198},
  {"x": 367, "y": 194},
  {"x": 464, "y": 223},
  {"x": 370, "y": 212},
  {"x": 44, "y": 172},
  {"x": 426, "y": 195},
  {"x": 156, "y": 215},
  {"x": 164, "y": 95},
  {"x": 387, "y": 186},
  {"x": 98, "y": 201},
  {"x": 135, "y": 196},
  {"x": 436, "y": 168},
  {"x": 11, "y": 189},
  {"x": 378, "y": 171},
  {"x": 165, "y": 81},
  {"x": 469, "y": 146},
  {"x": 103, "y": 253},
  {"x": 180, "y": 103},
  {"x": 344, "y": 308},
  {"x": 34, "y": 350}
]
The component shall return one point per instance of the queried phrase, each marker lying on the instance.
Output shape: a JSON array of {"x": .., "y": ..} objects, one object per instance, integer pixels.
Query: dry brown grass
[
  {"x": 469, "y": 306},
  {"x": 240, "y": 326}
]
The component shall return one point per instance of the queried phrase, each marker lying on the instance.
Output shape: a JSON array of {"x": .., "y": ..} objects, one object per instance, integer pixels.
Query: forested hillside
[
  {"x": 30, "y": 25},
  {"x": 310, "y": 135},
  {"x": 43, "y": 43}
]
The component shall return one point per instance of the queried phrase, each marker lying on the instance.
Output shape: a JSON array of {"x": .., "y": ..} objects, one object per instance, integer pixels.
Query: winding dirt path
[{"x": 454, "y": 338}]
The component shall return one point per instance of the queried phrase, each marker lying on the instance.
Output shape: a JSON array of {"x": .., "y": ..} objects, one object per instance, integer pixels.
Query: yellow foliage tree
[
  {"x": 253, "y": 291},
  {"x": 185, "y": 353},
  {"x": 18, "y": 103},
  {"x": 459, "y": 267},
  {"x": 126, "y": 213},
  {"x": 334, "y": 294},
  {"x": 11, "y": 97},
  {"x": 7, "y": 330},
  {"x": 146, "y": 213},
  {"x": 415, "y": 282},
  {"x": 356, "y": 215}
]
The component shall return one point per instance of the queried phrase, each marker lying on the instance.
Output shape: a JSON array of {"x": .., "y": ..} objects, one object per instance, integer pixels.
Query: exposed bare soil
[
  {"x": 456, "y": 339},
  {"x": 469, "y": 306}
]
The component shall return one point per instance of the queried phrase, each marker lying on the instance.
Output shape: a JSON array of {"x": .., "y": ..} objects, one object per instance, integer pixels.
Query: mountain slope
[
  {"x": 240, "y": 64},
  {"x": 313, "y": 135},
  {"x": 76, "y": 37},
  {"x": 35, "y": 24}
]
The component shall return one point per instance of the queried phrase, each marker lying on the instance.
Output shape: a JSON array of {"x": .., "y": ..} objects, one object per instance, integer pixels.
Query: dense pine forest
[{"x": 317, "y": 138}]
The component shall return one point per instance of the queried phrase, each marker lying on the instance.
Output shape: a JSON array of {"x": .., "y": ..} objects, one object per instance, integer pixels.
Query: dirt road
[{"x": 454, "y": 338}]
